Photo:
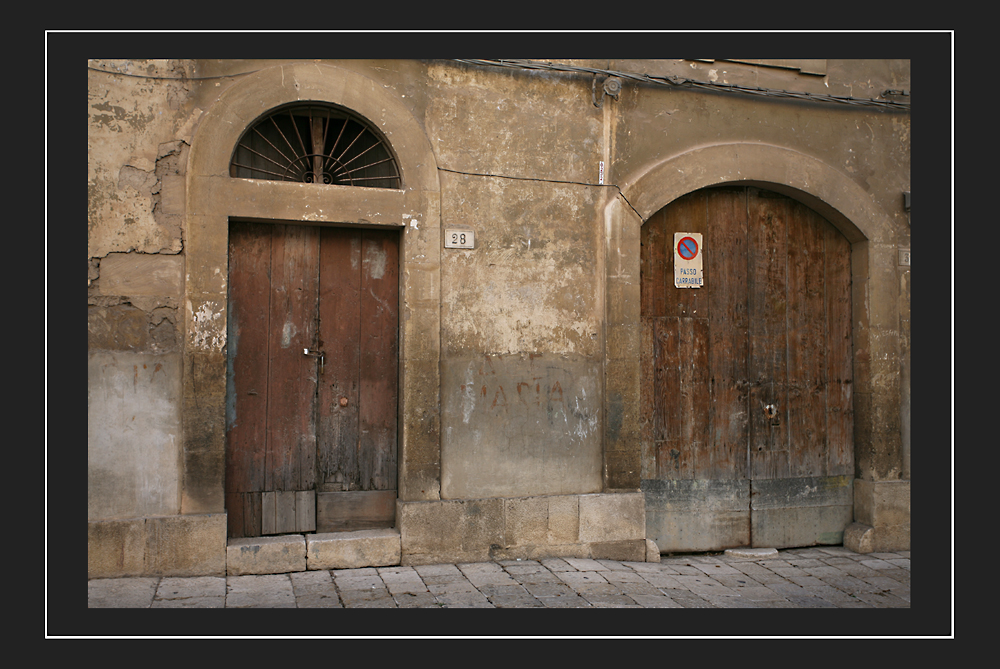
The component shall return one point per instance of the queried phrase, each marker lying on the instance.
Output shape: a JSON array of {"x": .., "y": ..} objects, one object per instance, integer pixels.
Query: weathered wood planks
[
  {"x": 300, "y": 423},
  {"x": 749, "y": 377}
]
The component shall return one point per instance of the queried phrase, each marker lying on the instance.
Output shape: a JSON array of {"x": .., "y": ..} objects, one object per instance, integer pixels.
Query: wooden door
[
  {"x": 311, "y": 379},
  {"x": 747, "y": 380}
]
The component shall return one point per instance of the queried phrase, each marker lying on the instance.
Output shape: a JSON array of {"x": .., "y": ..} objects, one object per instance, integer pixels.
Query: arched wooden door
[
  {"x": 312, "y": 359},
  {"x": 746, "y": 387}
]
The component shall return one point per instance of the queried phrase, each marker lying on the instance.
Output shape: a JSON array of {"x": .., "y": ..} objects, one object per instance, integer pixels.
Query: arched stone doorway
[
  {"x": 409, "y": 212},
  {"x": 878, "y": 448}
]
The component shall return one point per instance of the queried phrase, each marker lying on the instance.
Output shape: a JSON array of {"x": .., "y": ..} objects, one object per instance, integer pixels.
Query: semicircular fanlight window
[{"x": 315, "y": 144}]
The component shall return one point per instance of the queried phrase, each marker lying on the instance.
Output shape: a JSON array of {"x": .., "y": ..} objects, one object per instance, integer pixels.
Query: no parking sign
[{"x": 687, "y": 260}]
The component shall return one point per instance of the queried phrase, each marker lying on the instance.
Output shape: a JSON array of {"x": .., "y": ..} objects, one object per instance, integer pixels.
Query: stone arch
[
  {"x": 221, "y": 126},
  {"x": 816, "y": 184},
  {"x": 213, "y": 198}
]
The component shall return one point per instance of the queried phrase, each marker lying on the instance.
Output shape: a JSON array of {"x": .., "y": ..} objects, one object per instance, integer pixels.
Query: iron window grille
[{"x": 314, "y": 143}]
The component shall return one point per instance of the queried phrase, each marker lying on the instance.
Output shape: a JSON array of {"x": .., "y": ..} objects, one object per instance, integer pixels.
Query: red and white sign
[{"x": 687, "y": 260}]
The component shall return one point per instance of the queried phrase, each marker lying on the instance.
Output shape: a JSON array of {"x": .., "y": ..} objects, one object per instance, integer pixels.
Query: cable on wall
[
  {"x": 670, "y": 81},
  {"x": 681, "y": 82}
]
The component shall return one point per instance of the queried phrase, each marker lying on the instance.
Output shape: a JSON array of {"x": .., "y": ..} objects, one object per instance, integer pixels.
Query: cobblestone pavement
[{"x": 816, "y": 577}]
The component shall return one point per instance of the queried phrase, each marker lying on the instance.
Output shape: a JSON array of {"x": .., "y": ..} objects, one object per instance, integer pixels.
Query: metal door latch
[{"x": 315, "y": 354}]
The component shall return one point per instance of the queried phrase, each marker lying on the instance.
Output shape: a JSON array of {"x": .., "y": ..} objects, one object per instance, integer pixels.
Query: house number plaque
[{"x": 459, "y": 239}]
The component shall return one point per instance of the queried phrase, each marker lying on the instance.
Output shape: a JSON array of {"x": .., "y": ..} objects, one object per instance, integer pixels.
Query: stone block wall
[{"x": 608, "y": 526}]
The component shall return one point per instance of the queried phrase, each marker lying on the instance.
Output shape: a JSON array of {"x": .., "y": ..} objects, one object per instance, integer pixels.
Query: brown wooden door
[
  {"x": 747, "y": 380},
  {"x": 311, "y": 379}
]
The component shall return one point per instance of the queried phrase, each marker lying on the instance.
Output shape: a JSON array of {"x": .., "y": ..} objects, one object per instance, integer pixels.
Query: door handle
[{"x": 315, "y": 354}]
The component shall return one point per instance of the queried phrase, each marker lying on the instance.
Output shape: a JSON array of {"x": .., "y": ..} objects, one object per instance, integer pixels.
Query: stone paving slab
[
  {"x": 315, "y": 590},
  {"x": 557, "y": 564},
  {"x": 125, "y": 593},
  {"x": 656, "y": 602},
  {"x": 208, "y": 592},
  {"x": 416, "y": 600},
  {"x": 516, "y": 602},
  {"x": 581, "y": 578},
  {"x": 367, "y": 599},
  {"x": 269, "y": 591},
  {"x": 584, "y": 564},
  {"x": 573, "y": 601},
  {"x": 634, "y": 589},
  {"x": 548, "y": 589},
  {"x": 819, "y": 577},
  {"x": 540, "y": 577},
  {"x": 451, "y": 588},
  {"x": 688, "y": 599}
]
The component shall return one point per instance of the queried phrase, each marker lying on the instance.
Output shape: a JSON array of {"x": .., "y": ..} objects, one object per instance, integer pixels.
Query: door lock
[
  {"x": 315, "y": 354},
  {"x": 771, "y": 411}
]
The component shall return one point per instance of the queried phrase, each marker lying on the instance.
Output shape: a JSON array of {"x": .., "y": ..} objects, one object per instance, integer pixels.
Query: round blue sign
[{"x": 687, "y": 248}]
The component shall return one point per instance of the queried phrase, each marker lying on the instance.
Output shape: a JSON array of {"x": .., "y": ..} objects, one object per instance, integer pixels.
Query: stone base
[
  {"x": 752, "y": 553},
  {"x": 266, "y": 555},
  {"x": 881, "y": 517},
  {"x": 288, "y": 553},
  {"x": 352, "y": 550},
  {"x": 191, "y": 545},
  {"x": 598, "y": 526},
  {"x": 652, "y": 551},
  {"x": 688, "y": 516},
  {"x": 862, "y": 538}
]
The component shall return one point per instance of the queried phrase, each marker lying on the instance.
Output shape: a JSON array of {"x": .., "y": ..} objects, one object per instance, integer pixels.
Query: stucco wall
[
  {"x": 520, "y": 375},
  {"x": 140, "y": 119},
  {"x": 521, "y": 313}
]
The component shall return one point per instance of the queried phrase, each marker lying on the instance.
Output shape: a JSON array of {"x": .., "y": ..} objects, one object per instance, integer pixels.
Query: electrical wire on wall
[
  {"x": 681, "y": 82},
  {"x": 670, "y": 81},
  {"x": 612, "y": 87}
]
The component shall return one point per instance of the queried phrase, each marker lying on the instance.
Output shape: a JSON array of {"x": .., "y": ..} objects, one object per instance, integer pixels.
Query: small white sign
[
  {"x": 687, "y": 260},
  {"x": 459, "y": 239}
]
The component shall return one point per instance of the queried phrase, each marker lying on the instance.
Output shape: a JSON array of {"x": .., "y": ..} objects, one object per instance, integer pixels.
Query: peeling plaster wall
[
  {"x": 522, "y": 313},
  {"x": 140, "y": 121},
  {"x": 529, "y": 400}
]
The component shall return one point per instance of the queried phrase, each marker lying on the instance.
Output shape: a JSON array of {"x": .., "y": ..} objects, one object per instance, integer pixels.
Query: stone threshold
[{"x": 306, "y": 552}]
